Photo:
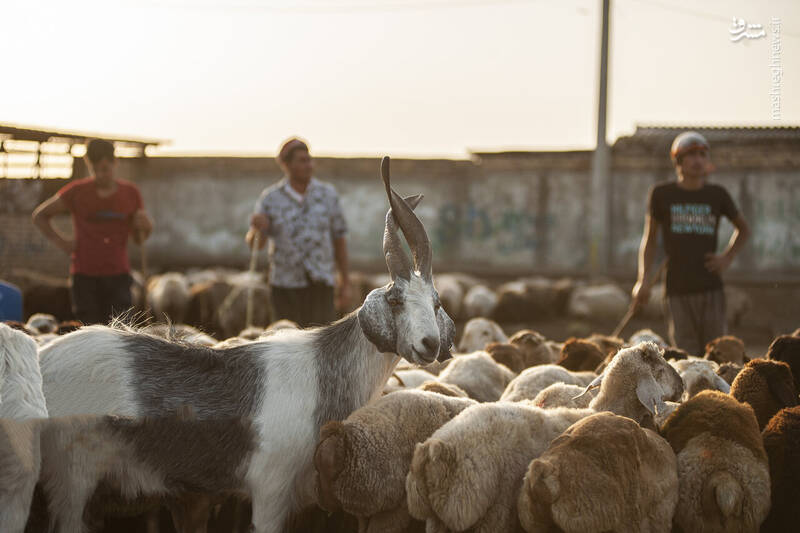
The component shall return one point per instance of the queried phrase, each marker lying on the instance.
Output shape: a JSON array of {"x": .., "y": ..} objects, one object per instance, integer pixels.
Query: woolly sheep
[
  {"x": 647, "y": 335},
  {"x": 723, "y": 473},
  {"x": 598, "y": 302},
  {"x": 563, "y": 395},
  {"x": 534, "y": 347},
  {"x": 479, "y": 301},
  {"x": 446, "y": 389},
  {"x": 727, "y": 349},
  {"x": 604, "y": 473},
  {"x": 698, "y": 375},
  {"x": 782, "y": 444},
  {"x": 579, "y": 354},
  {"x": 507, "y": 354},
  {"x": 636, "y": 384},
  {"x": 451, "y": 294},
  {"x": 535, "y": 379},
  {"x": 362, "y": 462},
  {"x": 729, "y": 371},
  {"x": 168, "y": 296},
  {"x": 479, "y": 332},
  {"x": 479, "y": 375},
  {"x": 786, "y": 348},
  {"x": 469, "y": 472},
  {"x": 767, "y": 386},
  {"x": 41, "y": 323}
]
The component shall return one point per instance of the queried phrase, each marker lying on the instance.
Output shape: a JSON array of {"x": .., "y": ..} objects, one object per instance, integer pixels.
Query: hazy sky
[{"x": 401, "y": 77}]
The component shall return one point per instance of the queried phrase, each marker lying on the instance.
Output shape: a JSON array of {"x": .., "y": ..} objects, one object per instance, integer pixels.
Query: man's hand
[
  {"x": 68, "y": 245},
  {"x": 259, "y": 221},
  {"x": 259, "y": 224},
  {"x": 717, "y": 263},
  {"x": 343, "y": 297},
  {"x": 141, "y": 226},
  {"x": 640, "y": 294}
]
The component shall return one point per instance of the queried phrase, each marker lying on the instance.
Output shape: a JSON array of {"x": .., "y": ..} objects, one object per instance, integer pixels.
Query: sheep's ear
[
  {"x": 447, "y": 333},
  {"x": 377, "y": 321},
  {"x": 329, "y": 462},
  {"x": 650, "y": 395}
]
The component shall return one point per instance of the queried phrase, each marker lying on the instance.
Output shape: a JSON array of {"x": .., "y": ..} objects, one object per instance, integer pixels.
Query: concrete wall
[{"x": 499, "y": 214}]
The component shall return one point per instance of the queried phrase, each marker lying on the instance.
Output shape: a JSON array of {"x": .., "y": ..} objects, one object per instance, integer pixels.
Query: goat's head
[{"x": 406, "y": 316}]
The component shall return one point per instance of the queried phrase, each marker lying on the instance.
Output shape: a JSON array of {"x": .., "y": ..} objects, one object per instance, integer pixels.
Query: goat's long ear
[
  {"x": 447, "y": 334},
  {"x": 377, "y": 321},
  {"x": 650, "y": 395}
]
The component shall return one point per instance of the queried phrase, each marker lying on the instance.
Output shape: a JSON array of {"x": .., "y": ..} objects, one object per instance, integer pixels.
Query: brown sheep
[
  {"x": 445, "y": 389},
  {"x": 579, "y": 355},
  {"x": 675, "y": 354},
  {"x": 604, "y": 473},
  {"x": 608, "y": 344},
  {"x": 507, "y": 354},
  {"x": 727, "y": 349},
  {"x": 786, "y": 348},
  {"x": 723, "y": 472},
  {"x": 767, "y": 386},
  {"x": 362, "y": 463},
  {"x": 782, "y": 443},
  {"x": 729, "y": 371},
  {"x": 534, "y": 347}
]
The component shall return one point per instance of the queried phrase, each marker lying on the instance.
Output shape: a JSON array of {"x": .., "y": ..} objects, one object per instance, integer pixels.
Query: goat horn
[
  {"x": 596, "y": 382},
  {"x": 410, "y": 225},
  {"x": 396, "y": 259}
]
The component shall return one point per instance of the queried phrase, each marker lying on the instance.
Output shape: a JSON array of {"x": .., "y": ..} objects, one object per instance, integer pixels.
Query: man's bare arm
[
  {"x": 142, "y": 226},
  {"x": 43, "y": 219},
  {"x": 647, "y": 253},
  {"x": 259, "y": 224}
]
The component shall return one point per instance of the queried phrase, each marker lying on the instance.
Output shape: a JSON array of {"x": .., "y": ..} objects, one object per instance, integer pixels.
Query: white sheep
[
  {"x": 647, "y": 335},
  {"x": 451, "y": 293},
  {"x": 290, "y": 384},
  {"x": 535, "y": 379},
  {"x": 168, "y": 296},
  {"x": 469, "y": 472},
  {"x": 480, "y": 301},
  {"x": 604, "y": 473},
  {"x": 563, "y": 395},
  {"x": 479, "y": 375},
  {"x": 478, "y": 332},
  {"x": 698, "y": 375},
  {"x": 41, "y": 323}
]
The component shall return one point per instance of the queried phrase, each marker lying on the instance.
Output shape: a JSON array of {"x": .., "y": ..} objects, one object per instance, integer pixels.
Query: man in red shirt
[{"x": 105, "y": 210}]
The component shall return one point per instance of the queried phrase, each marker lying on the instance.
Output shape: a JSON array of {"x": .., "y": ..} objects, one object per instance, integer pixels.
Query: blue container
[{"x": 10, "y": 302}]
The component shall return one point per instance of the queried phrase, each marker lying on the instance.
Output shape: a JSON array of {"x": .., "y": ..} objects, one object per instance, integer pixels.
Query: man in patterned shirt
[{"x": 303, "y": 218}]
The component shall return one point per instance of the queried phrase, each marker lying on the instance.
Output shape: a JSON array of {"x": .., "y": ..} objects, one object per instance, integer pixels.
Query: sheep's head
[
  {"x": 478, "y": 332},
  {"x": 644, "y": 369},
  {"x": 726, "y": 349},
  {"x": 406, "y": 316}
]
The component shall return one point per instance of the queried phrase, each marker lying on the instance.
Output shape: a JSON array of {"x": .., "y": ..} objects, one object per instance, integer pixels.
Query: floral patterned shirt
[{"x": 301, "y": 233}]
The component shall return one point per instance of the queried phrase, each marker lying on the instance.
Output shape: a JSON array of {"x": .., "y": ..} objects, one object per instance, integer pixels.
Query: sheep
[
  {"x": 698, "y": 375},
  {"x": 168, "y": 296},
  {"x": 507, "y": 354},
  {"x": 563, "y": 395},
  {"x": 767, "y": 386},
  {"x": 479, "y": 332},
  {"x": 782, "y": 443},
  {"x": 604, "y": 473},
  {"x": 153, "y": 457},
  {"x": 469, "y": 472},
  {"x": 675, "y": 354},
  {"x": 645, "y": 335},
  {"x": 636, "y": 384},
  {"x": 727, "y": 349},
  {"x": 579, "y": 354},
  {"x": 723, "y": 473},
  {"x": 534, "y": 347},
  {"x": 361, "y": 463},
  {"x": 205, "y": 300},
  {"x": 446, "y": 389},
  {"x": 535, "y": 379},
  {"x": 479, "y": 375},
  {"x": 41, "y": 323},
  {"x": 232, "y": 313},
  {"x": 410, "y": 378},
  {"x": 289, "y": 383},
  {"x": 786, "y": 348},
  {"x": 22, "y": 405},
  {"x": 451, "y": 294},
  {"x": 479, "y": 301},
  {"x": 21, "y": 395},
  {"x": 608, "y": 344},
  {"x": 729, "y": 371},
  {"x": 598, "y": 302}
]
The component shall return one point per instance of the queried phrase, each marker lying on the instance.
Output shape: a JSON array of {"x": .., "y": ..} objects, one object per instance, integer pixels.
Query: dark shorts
[
  {"x": 96, "y": 299},
  {"x": 696, "y": 319},
  {"x": 308, "y": 306}
]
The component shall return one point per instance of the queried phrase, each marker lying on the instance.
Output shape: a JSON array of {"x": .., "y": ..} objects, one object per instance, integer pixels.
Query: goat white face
[{"x": 406, "y": 316}]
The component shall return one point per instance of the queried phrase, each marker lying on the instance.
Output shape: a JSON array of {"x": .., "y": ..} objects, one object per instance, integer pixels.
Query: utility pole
[{"x": 601, "y": 196}]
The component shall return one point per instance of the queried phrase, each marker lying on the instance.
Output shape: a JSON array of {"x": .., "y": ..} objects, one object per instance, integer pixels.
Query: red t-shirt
[{"x": 102, "y": 226}]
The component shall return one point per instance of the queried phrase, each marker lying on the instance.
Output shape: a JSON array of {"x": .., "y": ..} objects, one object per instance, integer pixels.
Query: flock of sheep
[{"x": 371, "y": 424}]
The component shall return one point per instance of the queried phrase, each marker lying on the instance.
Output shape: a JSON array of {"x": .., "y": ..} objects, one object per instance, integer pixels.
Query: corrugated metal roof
[{"x": 719, "y": 133}]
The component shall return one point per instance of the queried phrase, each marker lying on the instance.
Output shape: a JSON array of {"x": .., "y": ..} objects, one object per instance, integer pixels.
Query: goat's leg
[{"x": 14, "y": 507}]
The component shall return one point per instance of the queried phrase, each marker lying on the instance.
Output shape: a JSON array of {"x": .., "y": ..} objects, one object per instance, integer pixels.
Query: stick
[
  {"x": 253, "y": 263},
  {"x": 143, "y": 268},
  {"x": 633, "y": 307}
]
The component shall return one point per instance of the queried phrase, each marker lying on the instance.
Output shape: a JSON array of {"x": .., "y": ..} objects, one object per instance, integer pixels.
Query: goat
[{"x": 290, "y": 383}]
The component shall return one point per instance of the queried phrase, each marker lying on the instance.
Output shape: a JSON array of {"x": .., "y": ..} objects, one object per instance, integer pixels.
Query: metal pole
[{"x": 600, "y": 200}]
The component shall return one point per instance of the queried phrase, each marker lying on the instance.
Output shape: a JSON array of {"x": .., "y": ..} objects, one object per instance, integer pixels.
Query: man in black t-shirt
[{"x": 687, "y": 212}]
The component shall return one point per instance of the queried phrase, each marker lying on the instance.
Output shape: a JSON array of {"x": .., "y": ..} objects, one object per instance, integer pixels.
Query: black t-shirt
[{"x": 689, "y": 222}]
